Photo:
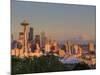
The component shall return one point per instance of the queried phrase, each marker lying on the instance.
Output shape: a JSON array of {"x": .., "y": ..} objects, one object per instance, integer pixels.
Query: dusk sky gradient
[{"x": 58, "y": 21}]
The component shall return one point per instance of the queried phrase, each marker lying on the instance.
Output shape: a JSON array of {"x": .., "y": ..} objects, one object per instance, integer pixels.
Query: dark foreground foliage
[{"x": 43, "y": 64}]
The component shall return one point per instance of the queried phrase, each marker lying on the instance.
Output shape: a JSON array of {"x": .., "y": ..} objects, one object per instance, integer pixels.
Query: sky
[{"x": 58, "y": 21}]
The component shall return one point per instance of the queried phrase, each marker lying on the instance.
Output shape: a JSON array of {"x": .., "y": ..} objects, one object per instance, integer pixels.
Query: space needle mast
[{"x": 25, "y": 25}]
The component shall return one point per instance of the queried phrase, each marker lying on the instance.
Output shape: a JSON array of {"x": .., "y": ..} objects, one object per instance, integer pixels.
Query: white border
[
  {"x": 4, "y": 37},
  {"x": 83, "y": 2}
]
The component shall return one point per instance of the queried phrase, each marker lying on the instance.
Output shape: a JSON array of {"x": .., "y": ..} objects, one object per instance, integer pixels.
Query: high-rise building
[
  {"x": 75, "y": 47},
  {"x": 21, "y": 35},
  {"x": 68, "y": 47},
  {"x": 21, "y": 39},
  {"x": 13, "y": 42},
  {"x": 47, "y": 47},
  {"x": 91, "y": 47},
  {"x": 37, "y": 39},
  {"x": 31, "y": 34},
  {"x": 43, "y": 39}
]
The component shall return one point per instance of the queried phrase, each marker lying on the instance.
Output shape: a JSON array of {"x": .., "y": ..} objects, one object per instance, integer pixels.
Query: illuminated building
[
  {"x": 31, "y": 34},
  {"x": 13, "y": 42},
  {"x": 37, "y": 53},
  {"x": 75, "y": 47},
  {"x": 21, "y": 39},
  {"x": 13, "y": 53},
  {"x": 37, "y": 46},
  {"x": 91, "y": 47},
  {"x": 79, "y": 54},
  {"x": 21, "y": 53},
  {"x": 37, "y": 39},
  {"x": 21, "y": 44},
  {"x": 43, "y": 39},
  {"x": 17, "y": 52},
  {"x": 47, "y": 47},
  {"x": 56, "y": 48},
  {"x": 68, "y": 47},
  {"x": 61, "y": 53}
]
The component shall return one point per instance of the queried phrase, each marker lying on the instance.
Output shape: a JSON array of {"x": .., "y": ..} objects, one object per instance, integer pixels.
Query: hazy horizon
[{"x": 58, "y": 21}]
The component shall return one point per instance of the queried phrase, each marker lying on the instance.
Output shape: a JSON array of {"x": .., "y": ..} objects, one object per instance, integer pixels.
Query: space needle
[{"x": 25, "y": 25}]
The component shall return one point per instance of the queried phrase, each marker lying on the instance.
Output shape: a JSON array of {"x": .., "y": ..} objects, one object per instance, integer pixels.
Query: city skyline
[
  {"x": 58, "y": 21},
  {"x": 50, "y": 37}
]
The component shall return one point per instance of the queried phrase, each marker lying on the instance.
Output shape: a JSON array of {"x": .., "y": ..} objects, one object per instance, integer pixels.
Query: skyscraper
[
  {"x": 21, "y": 35},
  {"x": 43, "y": 39},
  {"x": 75, "y": 47},
  {"x": 31, "y": 34},
  {"x": 91, "y": 47},
  {"x": 68, "y": 47},
  {"x": 21, "y": 39},
  {"x": 37, "y": 39}
]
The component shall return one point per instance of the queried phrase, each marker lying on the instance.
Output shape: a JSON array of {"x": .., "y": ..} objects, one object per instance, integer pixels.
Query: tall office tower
[
  {"x": 47, "y": 47},
  {"x": 21, "y": 35},
  {"x": 13, "y": 42},
  {"x": 68, "y": 47},
  {"x": 31, "y": 34},
  {"x": 25, "y": 24},
  {"x": 50, "y": 40},
  {"x": 43, "y": 39},
  {"x": 20, "y": 44},
  {"x": 75, "y": 47},
  {"x": 80, "y": 52},
  {"x": 21, "y": 39},
  {"x": 55, "y": 45},
  {"x": 37, "y": 39},
  {"x": 91, "y": 47}
]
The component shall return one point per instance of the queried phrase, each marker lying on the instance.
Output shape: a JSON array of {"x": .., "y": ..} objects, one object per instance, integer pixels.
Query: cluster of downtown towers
[{"x": 28, "y": 41}]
